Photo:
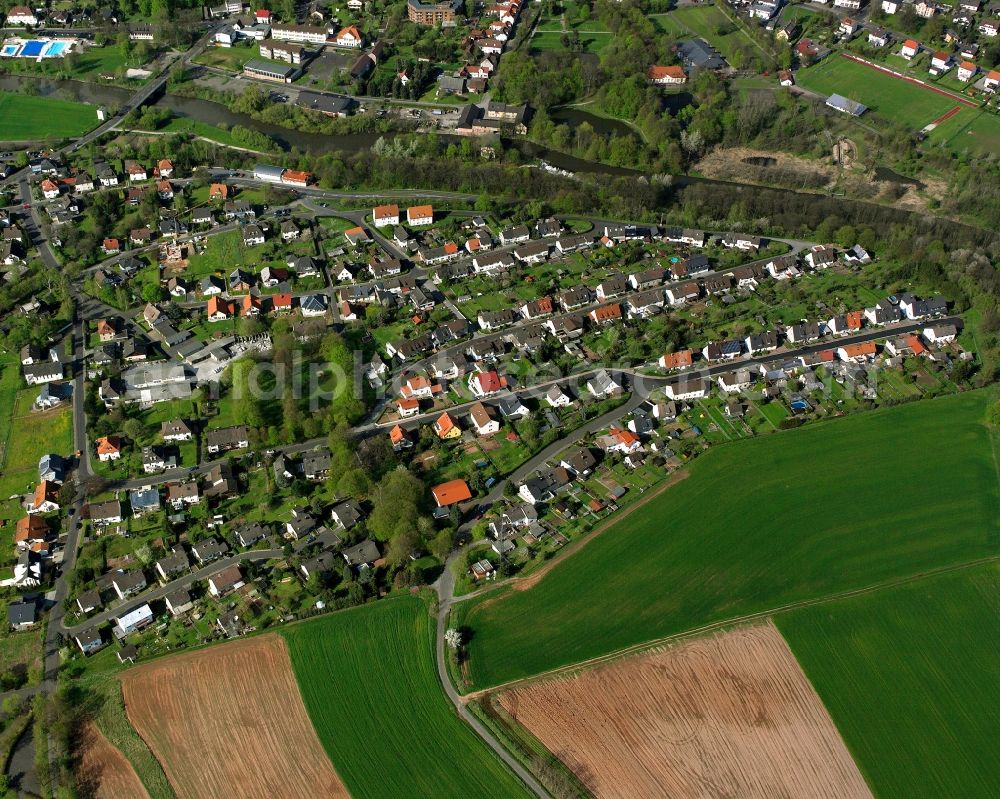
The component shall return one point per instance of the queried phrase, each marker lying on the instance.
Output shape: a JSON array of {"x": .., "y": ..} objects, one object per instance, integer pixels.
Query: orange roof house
[
  {"x": 250, "y": 306},
  {"x": 851, "y": 351},
  {"x": 30, "y": 528},
  {"x": 383, "y": 213},
  {"x": 674, "y": 74},
  {"x": 281, "y": 302},
  {"x": 109, "y": 446},
  {"x": 296, "y": 177},
  {"x": 450, "y": 248},
  {"x": 854, "y": 319},
  {"x": 446, "y": 428},
  {"x": 46, "y": 497},
  {"x": 219, "y": 308},
  {"x": 606, "y": 313},
  {"x": 398, "y": 437},
  {"x": 451, "y": 492},
  {"x": 407, "y": 406},
  {"x": 420, "y": 214},
  {"x": 676, "y": 360},
  {"x": 218, "y": 191},
  {"x": 624, "y": 437},
  {"x": 916, "y": 344}
]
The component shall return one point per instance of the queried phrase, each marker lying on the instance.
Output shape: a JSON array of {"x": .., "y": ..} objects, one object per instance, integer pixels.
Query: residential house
[
  {"x": 487, "y": 384},
  {"x": 132, "y": 621},
  {"x": 178, "y": 602},
  {"x": 126, "y": 584},
  {"x": 109, "y": 448},
  {"x": 687, "y": 388},
  {"x": 581, "y": 462},
  {"x": 384, "y": 215},
  {"x": 603, "y": 384},
  {"x": 445, "y": 427},
  {"x": 666, "y": 76},
  {"x": 451, "y": 493},
  {"x": 557, "y": 397},
  {"x": 362, "y": 555},
  {"x": 144, "y": 500},
  {"x": 225, "y": 581},
  {"x": 208, "y": 550},
  {"x": 176, "y": 430},
  {"x": 346, "y": 514},
  {"x": 104, "y": 513},
  {"x": 681, "y": 359},
  {"x": 173, "y": 565},
  {"x": 227, "y": 438},
  {"x": 181, "y": 494}
]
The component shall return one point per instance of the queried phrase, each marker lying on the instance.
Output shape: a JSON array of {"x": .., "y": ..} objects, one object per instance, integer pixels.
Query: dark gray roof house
[
  {"x": 363, "y": 554},
  {"x": 347, "y": 514}
]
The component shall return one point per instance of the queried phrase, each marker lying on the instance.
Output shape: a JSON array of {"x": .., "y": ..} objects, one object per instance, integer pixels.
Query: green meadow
[
  {"x": 759, "y": 524},
  {"x": 369, "y": 682},
  {"x": 911, "y": 677}
]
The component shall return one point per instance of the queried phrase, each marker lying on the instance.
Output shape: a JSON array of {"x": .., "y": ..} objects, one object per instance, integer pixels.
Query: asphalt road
[{"x": 445, "y": 587}]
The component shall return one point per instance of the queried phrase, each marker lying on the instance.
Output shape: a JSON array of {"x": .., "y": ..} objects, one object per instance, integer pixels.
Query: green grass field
[
  {"x": 24, "y": 118},
  {"x": 977, "y": 132},
  {"x": 911, "y": 677},
  {"x": 890, "y": 97},
  {"x": 369, "y": 682},
  {"x": 10, "y": 380},
  {"x": 36, "y": 434},
  {"x": 590, "y": 41},
  {"x": 759, "y": 524},
  {"x": 705, "y": 21}
]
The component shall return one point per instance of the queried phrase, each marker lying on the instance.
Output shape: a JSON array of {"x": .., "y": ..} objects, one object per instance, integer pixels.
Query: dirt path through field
[
  {"x": 229, "y": 721},
  {"x": 103, "y": 772},
  {"x": 724, "y": 716}
]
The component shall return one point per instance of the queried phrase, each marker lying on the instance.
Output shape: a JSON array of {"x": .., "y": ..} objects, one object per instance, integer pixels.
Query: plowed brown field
[
  {"x": 102, "y": 772},
  {"x": 229, "y": 721},
  {"x": 724, "y": 716}
]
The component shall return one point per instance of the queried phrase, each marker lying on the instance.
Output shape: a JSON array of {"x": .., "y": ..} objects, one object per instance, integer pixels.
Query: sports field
[
  {"x": 888, "y": 96},
  {"x": 976, "y": 132},
  {"x": 24, "y": 118},
  {"x": 368, "y": 680},
  {"x": 759, "y": 524},
  {"x": 911, "y": 677}
]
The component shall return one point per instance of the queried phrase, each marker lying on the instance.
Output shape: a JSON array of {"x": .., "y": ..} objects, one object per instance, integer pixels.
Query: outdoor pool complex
[{"x": 36, "y": 48}]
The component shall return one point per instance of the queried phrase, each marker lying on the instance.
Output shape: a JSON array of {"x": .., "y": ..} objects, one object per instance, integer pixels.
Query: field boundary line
[
  {"x": 909, "y": 79},
  {"x": 734, "y": 621}
]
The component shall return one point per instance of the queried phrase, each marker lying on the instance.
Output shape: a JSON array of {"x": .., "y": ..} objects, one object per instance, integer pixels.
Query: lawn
[
  {"x": 222, "y": 254},
  {"x": 911, "y": 678},
  {"x": 10, "y": 380},
  {"x": 230, "y": 58},
  {"x": 890, "y": 97},
  {"x": 203, "y": 129},
  {"x": 38, "y": 433},
  {"x": 590, "y": 41},
  {"x": 977, "y": 132},
  {"x": 24, "y": 118},
  {"x": 706, "y": 21},
  {"x": 369, "y": 682},
  {"x": 759, "y": 524}
]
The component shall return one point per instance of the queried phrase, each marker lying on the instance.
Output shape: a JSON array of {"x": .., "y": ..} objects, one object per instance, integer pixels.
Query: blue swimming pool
[
  {"x": 9, "y": 50},
  {"x": 55, "y": 49},
  {"x": 32, "y": 48}
]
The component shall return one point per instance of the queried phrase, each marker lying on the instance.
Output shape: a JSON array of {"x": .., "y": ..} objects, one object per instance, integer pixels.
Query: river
[{"x": 215, "y": 114}]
